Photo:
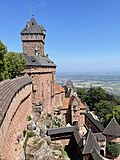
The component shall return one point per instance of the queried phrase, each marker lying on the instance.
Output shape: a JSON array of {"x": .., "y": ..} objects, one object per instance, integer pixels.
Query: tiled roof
[
  {"x": 99, "y": 137},
  {"x": 60, "y": 130},
  {"x": 71, "y": 130},
  {"x": 97, "y": 124},
  {"x": 38, "y": 61},
  {"x": 78, "y": 138},
  {"x": 96, "y": 155},
  {"x": 58, "y": 89},
  {"x": 90, "y": 143},
  {"x": 8, "y": 90},
  {"x": 113, "y": 128},
  {"x": 65, "y": 103},
  {"x": 33, "y": 28}
]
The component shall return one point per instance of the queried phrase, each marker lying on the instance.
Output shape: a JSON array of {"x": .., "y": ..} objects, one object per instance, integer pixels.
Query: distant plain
[{"x": 109, "y": 81}]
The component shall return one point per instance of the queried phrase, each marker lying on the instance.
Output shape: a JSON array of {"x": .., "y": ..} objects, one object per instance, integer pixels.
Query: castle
[{"x": 36, "y": 89}]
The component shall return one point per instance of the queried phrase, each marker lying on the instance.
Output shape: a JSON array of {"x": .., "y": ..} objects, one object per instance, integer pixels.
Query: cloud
[
  {"x": 42, "y": 4},
  {"x": 8, "y": 7}
]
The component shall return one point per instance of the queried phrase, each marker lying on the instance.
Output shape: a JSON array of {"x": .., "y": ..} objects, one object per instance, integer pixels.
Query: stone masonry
[
  {"x": 30, "y": 46},
  {"x": 43, "y": 87},
  {"x": 33, "y": 38},
  {"x": 15, "y": 121},
  {"x": 39, "y": 67}
]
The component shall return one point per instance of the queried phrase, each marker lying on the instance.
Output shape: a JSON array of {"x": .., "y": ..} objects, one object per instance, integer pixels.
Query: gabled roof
[
  {"x": 38, "y": 61},
  {"x": 97, "y": 124},
  {"x": 71, "y": 130},
  {"x": 78, "y": 137},
  {"x": 60, "y": 130},
  {"x": 69, "y": 84},
  {"x": 113, "y": 128},
  {"x": 33, "y": 27},
  {"x": 90, "y": 143},
  {"x": 65, "y": 103},
  {"x": 58, "y": 89}
]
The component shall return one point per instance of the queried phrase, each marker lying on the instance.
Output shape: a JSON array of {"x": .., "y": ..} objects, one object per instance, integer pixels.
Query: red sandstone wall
[
  {"x": 58, "y": 99},
  {"x": 11, "y": 131},
  {"x": 43, "y": 80}
]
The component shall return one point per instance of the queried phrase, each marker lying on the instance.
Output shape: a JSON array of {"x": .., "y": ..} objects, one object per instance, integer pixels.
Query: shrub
[
  {"x": 57, "y": 122},
  {"x": 29, "y": 135},
  {"x": 113, "y": 149},
  {"x": 29, "y": 118}
]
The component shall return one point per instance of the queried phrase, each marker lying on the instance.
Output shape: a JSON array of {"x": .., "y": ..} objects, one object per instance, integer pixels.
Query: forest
[{"x": 101, "y": 102}]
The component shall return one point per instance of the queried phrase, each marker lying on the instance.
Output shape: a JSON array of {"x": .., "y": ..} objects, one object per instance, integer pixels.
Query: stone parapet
[{"x": 15, "y": 107}]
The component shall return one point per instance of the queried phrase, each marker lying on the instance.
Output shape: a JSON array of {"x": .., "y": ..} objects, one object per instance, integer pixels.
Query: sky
[{"x": 82, "y": 35}]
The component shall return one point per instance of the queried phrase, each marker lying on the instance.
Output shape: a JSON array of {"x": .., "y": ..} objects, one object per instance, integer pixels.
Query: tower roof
[
  {"x": 90, "y": 144},
  {"x": 33, "y": 27},
  {"x": 113, "y": 128},
  {"x": 69, "y": 84},
  {"x": 38, "y": 61}
]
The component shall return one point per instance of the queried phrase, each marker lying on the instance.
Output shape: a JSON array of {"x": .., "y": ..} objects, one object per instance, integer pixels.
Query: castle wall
[
  {"x": 58, "y": 99},
  {"x": 113, "y": 139},
  {"x": 43, "y": 87},
  {"x": 14, "y": 123}
]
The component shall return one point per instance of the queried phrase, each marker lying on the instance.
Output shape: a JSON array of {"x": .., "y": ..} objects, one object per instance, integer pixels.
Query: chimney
[
  {"x": 47, "y": 56},
  {"x": 28, "y": 24}
]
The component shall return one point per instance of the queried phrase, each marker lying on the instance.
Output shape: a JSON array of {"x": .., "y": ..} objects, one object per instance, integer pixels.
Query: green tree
[
  {"x": 94, "y": 95},
  {"x": 103, "y": 108},
  {"x": 115, "y": 113},
  {"x": 3, "y": 71},
  {"x": 118, "y": 100},
  {"x": 81, "y": 93},
  {"x": 113, "y": 149},
  {"x": 15, "y": 63}
]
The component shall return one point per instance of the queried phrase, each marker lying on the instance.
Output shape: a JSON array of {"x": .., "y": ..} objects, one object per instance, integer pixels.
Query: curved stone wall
[{"x": 15, "y": 107}]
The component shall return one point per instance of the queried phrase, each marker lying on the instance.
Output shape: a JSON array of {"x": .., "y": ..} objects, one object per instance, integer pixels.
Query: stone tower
[
  {"x": 33, "y": 38},
  {"x": 39, "y": 67}
]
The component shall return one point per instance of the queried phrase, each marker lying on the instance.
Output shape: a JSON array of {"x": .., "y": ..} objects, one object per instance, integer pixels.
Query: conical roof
[
  {"x": 33, "y": 27},
  {"x": 90, "y": 143},
  {"x": 113, "y": 128}
]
